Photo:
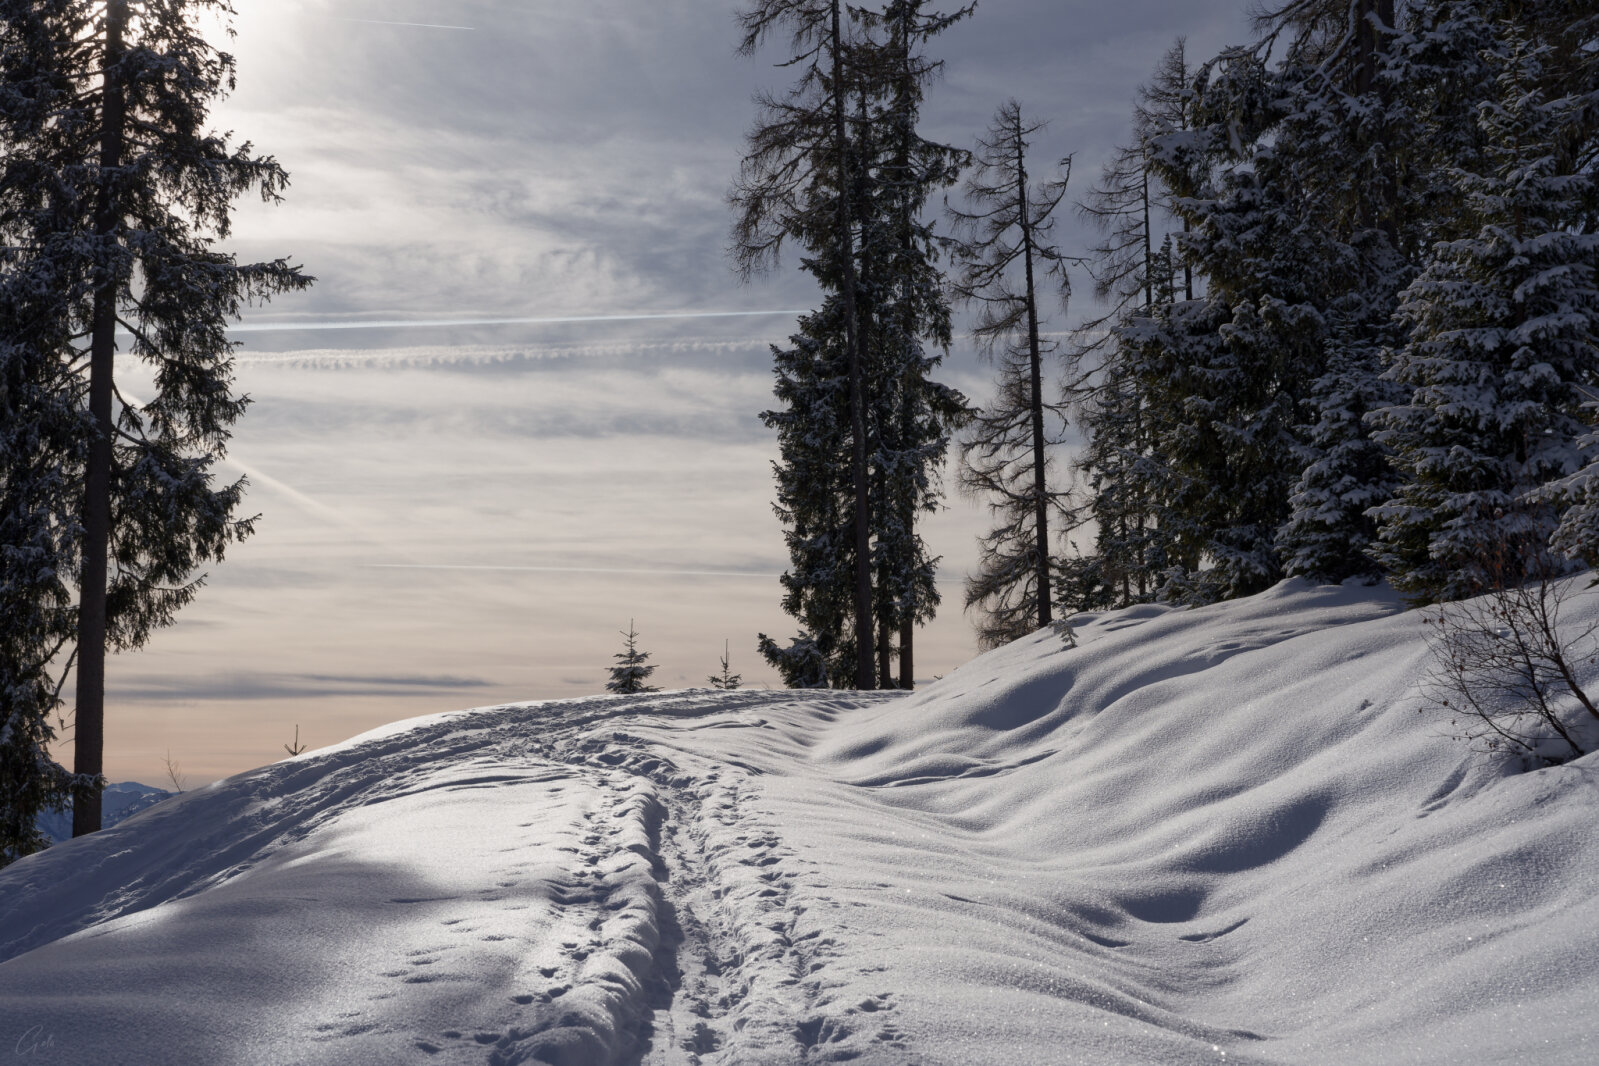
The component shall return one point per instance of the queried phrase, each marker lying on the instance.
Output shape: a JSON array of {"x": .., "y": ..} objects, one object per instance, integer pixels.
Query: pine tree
[
  {"x": 1500, "y": 354},
  {"x": 1260, "y": 245},
  {"x": 630, "y": 674},
  {"x": 805, "y": 662},
  {"x": 798, "y": 181},
  {"x": 1136, "y": 271},
  {"x": 907, "y": 321},
  {"x": 814, "y": 498},
  {"x": 1006, "y": 258},
  {"x": 1287, "y": 191},
  {"x": 40, "y": 440},
  {"x": 840, "y": 166},
  {"x": 115, "y": 195},
  {"x": 1342, "y": 141},
  {"x": 727, "y": 680}
]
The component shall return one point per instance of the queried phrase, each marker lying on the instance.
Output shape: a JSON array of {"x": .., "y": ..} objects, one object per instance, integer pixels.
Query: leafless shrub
[{"x": 1509, "y": 672}]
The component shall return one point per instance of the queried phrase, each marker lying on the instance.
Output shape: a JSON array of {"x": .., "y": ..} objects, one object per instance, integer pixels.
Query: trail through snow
[{"x": 1222, "y": 835}]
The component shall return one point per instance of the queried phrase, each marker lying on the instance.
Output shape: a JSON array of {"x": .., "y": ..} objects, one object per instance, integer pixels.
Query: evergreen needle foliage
[
  {"x": 1366, "y": 345},
  {"x": 113, "y": 197},
  {"x": 727, "y": 680},
  {"x": 838, "y": 165},
  {"x": 633, "y": 669}
]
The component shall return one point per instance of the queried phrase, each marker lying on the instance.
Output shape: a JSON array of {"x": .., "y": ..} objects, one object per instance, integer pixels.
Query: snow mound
[{"x": 1228, "y": 834}]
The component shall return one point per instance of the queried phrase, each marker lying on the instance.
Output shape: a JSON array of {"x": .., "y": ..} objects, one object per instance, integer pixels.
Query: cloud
[
  {"x": 662, "y": 572},
  {"x": 423, "y": 323},
  {"x": 414, "y": 25},
  {"x": 256, "y": 686}
]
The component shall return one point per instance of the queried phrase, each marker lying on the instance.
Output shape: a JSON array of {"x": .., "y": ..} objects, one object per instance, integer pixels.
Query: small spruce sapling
[
  {"x": 631, "y": 674},
  {"x": 726, "y": 680}
]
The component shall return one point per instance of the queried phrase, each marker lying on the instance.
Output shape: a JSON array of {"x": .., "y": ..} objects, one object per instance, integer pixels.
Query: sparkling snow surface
[{"x": 1217, "y": 835}]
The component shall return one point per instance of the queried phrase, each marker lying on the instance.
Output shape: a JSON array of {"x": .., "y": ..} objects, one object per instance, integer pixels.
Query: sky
[{"x": 520, "y": 408}]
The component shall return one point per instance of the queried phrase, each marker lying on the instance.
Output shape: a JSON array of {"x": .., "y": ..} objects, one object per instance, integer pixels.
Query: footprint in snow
[{"x": 880, "y": 1002}]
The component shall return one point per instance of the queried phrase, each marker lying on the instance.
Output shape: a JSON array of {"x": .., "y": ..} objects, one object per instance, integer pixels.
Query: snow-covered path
[
  {"x": 1198, "y": 836},
  {"x": 526, "y": 884}
]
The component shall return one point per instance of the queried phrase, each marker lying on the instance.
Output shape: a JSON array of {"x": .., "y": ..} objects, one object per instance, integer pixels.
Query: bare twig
[
  {"x": 1507, "y": 669},
  {"x": 174, "y": 773}
]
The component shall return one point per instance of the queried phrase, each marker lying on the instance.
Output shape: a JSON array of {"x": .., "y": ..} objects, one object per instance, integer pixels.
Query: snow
[
  {"x": 1229, "y": 834},
  {"x": 119, "y": 800}
]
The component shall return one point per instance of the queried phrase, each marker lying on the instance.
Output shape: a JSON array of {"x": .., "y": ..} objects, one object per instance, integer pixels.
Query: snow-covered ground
[{"x": 1219, "y": 835}]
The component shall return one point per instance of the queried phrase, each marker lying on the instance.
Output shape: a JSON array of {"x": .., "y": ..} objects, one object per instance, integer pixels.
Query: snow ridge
[{"x": 1221, "y": 834}]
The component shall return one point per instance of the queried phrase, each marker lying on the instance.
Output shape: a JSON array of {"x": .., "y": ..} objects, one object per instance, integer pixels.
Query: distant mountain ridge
[{"x": 121, "y": 800}]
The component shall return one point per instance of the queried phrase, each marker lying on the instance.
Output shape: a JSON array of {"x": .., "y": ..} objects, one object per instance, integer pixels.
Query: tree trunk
[
  {"x": 907, "y": 660},
  {"x": 1368, "y": 45},
  {"x": 1377, "y": 206},
  {"x": 89, "y": 714},
  {"x": 885, "y": 654},
  {"x": 865, "y": 675},
  {"x": 1040, "y": 494}
]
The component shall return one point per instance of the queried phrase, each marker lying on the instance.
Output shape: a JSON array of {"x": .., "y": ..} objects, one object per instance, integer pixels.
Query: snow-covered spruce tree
[
  {"x": 906, "y": 321},
  {"x": 798, "y": 181},
  {"x": 41, "y": 442},
  {"x": 802, "y": 663},
  {"x": 631, "y": 674},
  {"x": 1008, "y": 266},
  {"x": 42, "y": 430},
  {"x": 855, "y": 379},
  {"x": 1227, "y": 404},
  {"x": 1344, "y": 141},
  {"x": 115, "y": 192},
  {"x": 1577, "y": 43},
  {"x": 814, "y": 502},
  {"x": 1136, "y": 268},
  {"x": 1287, "y": 189},
  {"x": 1501, "y": 349}
]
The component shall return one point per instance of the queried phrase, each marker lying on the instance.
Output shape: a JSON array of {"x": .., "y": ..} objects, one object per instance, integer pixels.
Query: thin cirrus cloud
[
  {"x": 541, "y": 320},
  {"x": 254, "y": 686},
  {"x": 412, "y": 25},
  {"x": 658, "y": 571}
]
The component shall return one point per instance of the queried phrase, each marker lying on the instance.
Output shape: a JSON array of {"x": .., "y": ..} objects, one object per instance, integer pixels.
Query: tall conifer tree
[
  {"x": 116, "y": 194},
  {"x": 854, "y": 380},
  {"x": 1501, "y": 354},
  {"x": 1008, "y": 267},
  {"x": 908, "y": 328},
  {"x": 798, "y": 181},
  {"x": 1137, "y": 269}
]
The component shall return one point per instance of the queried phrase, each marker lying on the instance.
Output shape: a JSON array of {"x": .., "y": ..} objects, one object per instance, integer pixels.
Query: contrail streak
[
  {"x": 476, "y": 354},
  {"x": 313, "y": 506},
  {"x": 385, "y": 22},
  {"x": 574, "y": 570},
  {"x": 265, "y": 327}
]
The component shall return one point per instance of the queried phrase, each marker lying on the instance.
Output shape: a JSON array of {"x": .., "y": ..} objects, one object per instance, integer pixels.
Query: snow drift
[{"x": 1233, "y": 834}]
